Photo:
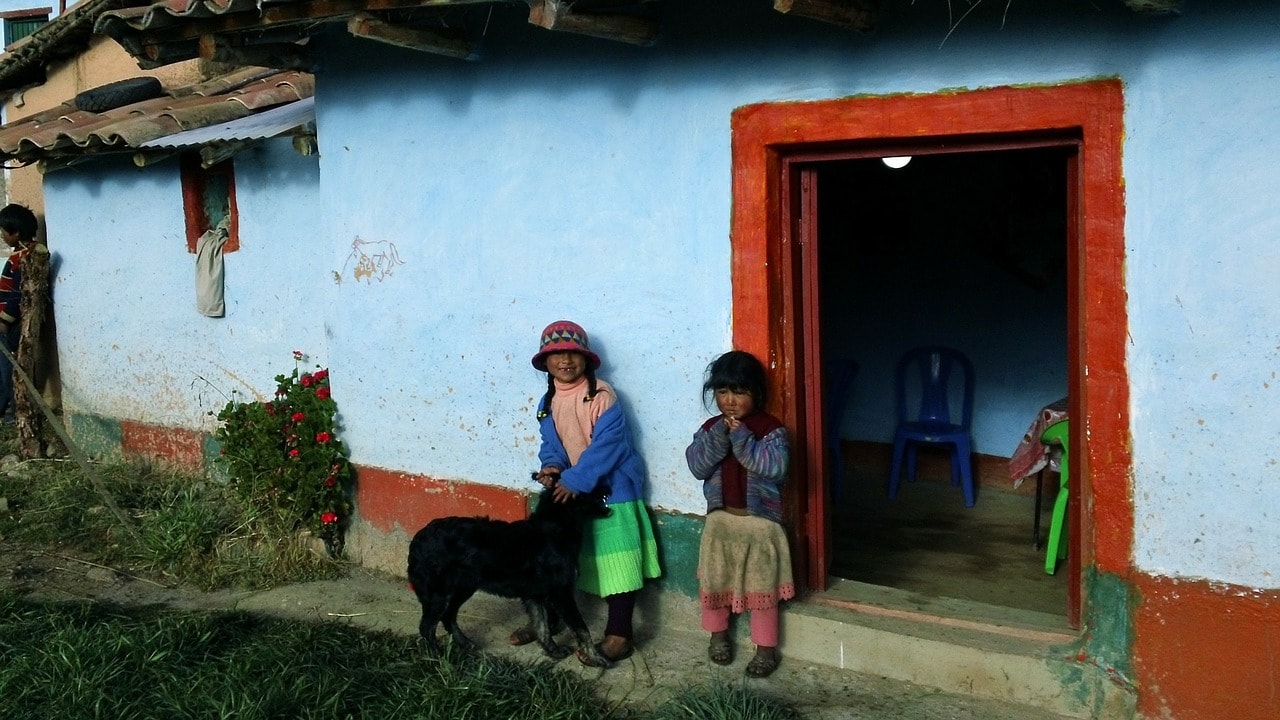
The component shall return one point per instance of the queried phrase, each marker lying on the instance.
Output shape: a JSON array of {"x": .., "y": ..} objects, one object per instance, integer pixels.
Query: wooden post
[{"x": 34, "y": 305}]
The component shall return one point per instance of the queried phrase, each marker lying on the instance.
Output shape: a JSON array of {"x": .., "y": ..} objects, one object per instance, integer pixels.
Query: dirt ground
[{"x": 662, "y": 664}]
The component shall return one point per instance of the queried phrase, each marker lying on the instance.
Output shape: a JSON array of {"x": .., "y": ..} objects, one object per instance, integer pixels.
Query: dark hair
[
  {"x": 15, "y": 218},
  {"x": 736, "y": 370}
]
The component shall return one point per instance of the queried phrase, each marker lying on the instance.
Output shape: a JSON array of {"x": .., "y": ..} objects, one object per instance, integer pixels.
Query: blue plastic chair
[
  {"x": 1056, "y": 547},
  {"x": 929, "y": 372},
  {"x": 840, "y": 376}
]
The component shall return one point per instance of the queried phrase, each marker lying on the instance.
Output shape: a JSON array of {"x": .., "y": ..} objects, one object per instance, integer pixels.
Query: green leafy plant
[{"x": 283, "y": 454}]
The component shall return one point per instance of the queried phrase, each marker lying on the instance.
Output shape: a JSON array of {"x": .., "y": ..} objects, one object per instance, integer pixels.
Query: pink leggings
[{"x": 764, "y": 624}]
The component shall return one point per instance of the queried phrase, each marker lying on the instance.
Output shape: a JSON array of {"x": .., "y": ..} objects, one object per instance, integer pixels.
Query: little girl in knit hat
[{"x": 586, "y": 445}]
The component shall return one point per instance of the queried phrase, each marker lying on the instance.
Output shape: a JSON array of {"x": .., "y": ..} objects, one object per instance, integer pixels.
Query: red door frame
[{"x": 769, "y": 138}]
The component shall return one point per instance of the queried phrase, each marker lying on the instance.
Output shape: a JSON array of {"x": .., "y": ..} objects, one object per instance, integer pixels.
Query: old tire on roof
[{"x": 118, "y": 93}]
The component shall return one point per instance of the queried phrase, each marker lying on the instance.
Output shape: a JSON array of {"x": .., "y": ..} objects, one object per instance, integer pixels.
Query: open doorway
[
  {"x": 968, "y": 249},
  {"x": 778, "y": 150}
]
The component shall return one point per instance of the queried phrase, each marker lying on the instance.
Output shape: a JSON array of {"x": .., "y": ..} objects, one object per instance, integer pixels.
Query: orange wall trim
[
  {"x": 387, "y": 499},
  {"x": 184, "y": 448},
  {"x": 764, "y": 135},
  {"x": 1206, "y": 651}
]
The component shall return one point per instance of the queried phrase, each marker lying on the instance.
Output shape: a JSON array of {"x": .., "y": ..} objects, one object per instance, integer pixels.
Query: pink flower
[
  {"x": 297, "y": 355},
  {"x": 329, "y": 518},
  {"x": 322, "y": 393},
  {"x": 323, "y": 437},
  {"x": 299, "y": 417}
]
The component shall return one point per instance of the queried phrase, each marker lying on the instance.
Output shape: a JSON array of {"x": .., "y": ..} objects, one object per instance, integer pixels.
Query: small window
[
  {"x": 209, "y": 198},
  {"x": 21, "y": 23}
]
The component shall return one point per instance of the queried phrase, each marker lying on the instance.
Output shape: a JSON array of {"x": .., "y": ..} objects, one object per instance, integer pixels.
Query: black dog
[{"x": 535, "y": 560}]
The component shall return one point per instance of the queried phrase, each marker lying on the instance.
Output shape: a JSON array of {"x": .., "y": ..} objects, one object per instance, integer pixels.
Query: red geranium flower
[
  {"x": 294, "y": 453},
  {"x": 321, "y": 375},
  {"x": 322, "y": 393},
  {"x": 299, "y": 417},
  {"x": 323, "y": 437},
  {"x": 306, "y": 379},
  {"x": 297, "y": 355},
  {"x": 329, "y": 518}
]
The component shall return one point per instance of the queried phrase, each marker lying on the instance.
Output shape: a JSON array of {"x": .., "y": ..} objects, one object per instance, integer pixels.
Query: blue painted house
[{"x": 1089, "y": 213}]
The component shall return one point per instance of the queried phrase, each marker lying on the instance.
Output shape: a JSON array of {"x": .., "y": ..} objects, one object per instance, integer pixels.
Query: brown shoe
[
  {"x": 523, "y": 636},
  {"x": 764, "y": 663},
  {"x": 720, "y": 650},
  {"x": 615, "y": 648}
]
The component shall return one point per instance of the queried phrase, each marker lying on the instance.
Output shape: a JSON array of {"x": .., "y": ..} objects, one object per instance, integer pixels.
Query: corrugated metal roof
[
  {"x": 65, "y": 132},
  {"x": 268, "y": 124}
]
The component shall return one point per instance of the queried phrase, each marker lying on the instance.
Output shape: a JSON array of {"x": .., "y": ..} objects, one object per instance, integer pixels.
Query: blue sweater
[{"x": 609, "y": 462}]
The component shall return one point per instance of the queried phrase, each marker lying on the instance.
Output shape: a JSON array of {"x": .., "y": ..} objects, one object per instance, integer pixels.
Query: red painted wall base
[
  {"x": 184, "y": 448},
  {"x": 1206, "y": 651},
  {"x": 387, "y": 499}
]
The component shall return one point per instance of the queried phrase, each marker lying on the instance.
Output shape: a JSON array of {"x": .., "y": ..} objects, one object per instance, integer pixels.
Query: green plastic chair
[{"x": 1056, "y": 548}]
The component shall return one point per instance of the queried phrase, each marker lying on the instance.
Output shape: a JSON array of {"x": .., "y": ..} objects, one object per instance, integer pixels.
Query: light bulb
[{"x": 896, "y": 162}]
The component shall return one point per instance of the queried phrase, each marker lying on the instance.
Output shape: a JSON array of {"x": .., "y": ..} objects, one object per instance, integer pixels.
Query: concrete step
[{"x": 956, "y": 646}]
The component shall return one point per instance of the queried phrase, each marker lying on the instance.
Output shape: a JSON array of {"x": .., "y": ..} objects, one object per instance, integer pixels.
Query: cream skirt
[{"x": 744, "y": 563}]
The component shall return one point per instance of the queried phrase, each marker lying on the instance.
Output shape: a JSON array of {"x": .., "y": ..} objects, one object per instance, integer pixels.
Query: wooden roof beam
[
  {"x": 282, "y": 56},
  {"x": 557, "y": 15},
  {"x": 364, "y": 25},
  {"x": 860, "y": 15},
  {"x": 1155, "y": 6}
]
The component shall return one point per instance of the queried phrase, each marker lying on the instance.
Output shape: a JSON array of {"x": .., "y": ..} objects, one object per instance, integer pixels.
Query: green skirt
[{"x": 619, "y": 552}]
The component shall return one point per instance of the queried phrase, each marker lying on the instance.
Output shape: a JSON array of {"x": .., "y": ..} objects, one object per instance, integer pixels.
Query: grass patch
[
  {"x": 190, "y": 531},
  {"x": 80, "y": 660},
  {"x": 87, "y": 660},
  {"x": 83, "y": 660},
  {"x": 723, "y": 702}
]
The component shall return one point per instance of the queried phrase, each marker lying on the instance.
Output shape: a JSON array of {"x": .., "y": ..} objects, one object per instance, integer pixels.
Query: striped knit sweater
[{"x": 763, "y": 453}]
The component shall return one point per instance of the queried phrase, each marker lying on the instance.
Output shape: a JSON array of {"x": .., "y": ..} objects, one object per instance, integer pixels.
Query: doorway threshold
[
  {"x": 892, "y": 604},
  {"x": 1008, "y": 654}
]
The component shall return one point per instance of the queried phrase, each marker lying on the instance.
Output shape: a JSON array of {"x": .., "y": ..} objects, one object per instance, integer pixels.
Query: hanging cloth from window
[{"x": 209, "y": 286}]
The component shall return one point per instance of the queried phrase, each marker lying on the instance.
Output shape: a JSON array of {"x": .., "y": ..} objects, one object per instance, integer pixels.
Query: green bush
[{"x": 283, "y": 455}]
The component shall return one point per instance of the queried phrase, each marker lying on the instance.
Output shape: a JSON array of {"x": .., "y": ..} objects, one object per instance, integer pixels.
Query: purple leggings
[{"x": 621, "y": 608}]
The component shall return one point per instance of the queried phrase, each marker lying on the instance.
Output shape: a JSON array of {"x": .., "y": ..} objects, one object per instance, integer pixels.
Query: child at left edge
[
  {"x": 587, "y": 445},
  {"x": 18, "y": 227}
]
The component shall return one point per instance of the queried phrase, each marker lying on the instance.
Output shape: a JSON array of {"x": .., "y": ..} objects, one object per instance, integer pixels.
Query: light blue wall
[
  {"x": 1203, "y": 238},
  {"x": 571, "y": 177},
  {"x": 130, "y": 342},
  {"x": 565, "y": 176}
]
